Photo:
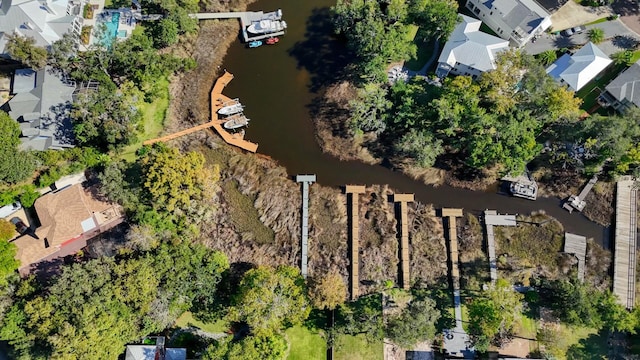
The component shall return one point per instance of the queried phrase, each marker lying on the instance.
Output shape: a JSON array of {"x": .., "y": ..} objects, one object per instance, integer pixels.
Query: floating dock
[
  {"x": 402, "y": 200},
  {"x": 246, "y": 19},
  {"x": 306, "y": 180},
  {"x": 355, "y": 191},
  {"x": 624, "y": 266},
  {"x": 577, "y": 202}
]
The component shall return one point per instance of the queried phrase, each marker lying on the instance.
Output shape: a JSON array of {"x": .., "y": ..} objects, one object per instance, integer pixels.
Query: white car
[{"x": 8, "y": 210}]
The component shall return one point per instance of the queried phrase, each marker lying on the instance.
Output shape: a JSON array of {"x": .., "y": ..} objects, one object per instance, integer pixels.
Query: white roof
[
  {"x": 148, "y": 352},
  {"x": 45, "y": 21},
  {"x": 580, "y": 68},
  {"x": 469, "y": 46}
]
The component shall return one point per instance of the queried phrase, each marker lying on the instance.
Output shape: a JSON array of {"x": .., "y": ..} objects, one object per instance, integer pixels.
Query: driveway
[
  {"x": 572, "y": 14},
  {"x": 629, "y": 11},
  {"x": 613, "y": 31}
]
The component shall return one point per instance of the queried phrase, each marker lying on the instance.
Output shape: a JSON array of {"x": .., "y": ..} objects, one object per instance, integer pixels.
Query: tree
[
  {"x": 363, "y": 316},
  {"x": 421, "y": 146},
  {"x": 8, "y": 251},
  {"x": 417, "y": 322},
  {"x": 167, "y": 33},
  {"x": 327, "y": 291},
  {"x": 269, "y": 347},
  {"x": 6, "y": 230},
  {"x": 15, "y": 165},
  {"x": 492, "y": 315},
  {"x": 173, "y": 179},
  {"x": 436, "y": 18},
  {"x": 369, "y": 110},
  {"x": 547, "y": 57},
  {"x": 63, "y": 53},
  {"x": 596, "y": 35},
  {"x": 623, "y": 57},
  {"x": 270, "y": 299},
  {"x": 25, "y": 50}
]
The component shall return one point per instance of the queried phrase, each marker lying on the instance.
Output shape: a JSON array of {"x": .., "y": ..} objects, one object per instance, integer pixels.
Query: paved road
[
  {"x": 611, "y": 30},
  {"x": 630, "y": 13}
]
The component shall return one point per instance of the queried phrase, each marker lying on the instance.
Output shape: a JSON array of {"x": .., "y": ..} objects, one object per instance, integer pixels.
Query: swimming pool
[{"x": 111, "y": 23}]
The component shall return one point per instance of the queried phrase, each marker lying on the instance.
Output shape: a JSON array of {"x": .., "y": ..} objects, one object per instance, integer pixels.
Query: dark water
[{"x": 278, "y": 84}]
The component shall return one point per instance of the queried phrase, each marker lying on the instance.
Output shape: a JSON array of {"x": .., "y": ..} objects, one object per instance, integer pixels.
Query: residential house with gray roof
[
  {"x": 469, "y": 51},
  {"x": 624, "y": 91},
  {"x": 41, "y": 104},
  {"x": 518, "y": 21},
  {"x": 44, "y": 20},
  {"x": 577, "y": 70}
]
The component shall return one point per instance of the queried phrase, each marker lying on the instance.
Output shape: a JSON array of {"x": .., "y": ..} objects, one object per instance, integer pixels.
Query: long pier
[
  {"x": 403, "y": 199},
  {"x": 355, "y": 191},
  {"x": 217, "y": 101},
  {"x": 246, "y": 18},
  {"x": 624, "y": 266},
  {"x": 306, "y": 180},
  {"x": 491, "y": 219}
]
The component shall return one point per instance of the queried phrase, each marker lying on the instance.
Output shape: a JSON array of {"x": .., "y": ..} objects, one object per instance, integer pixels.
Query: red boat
[{"x": 273, "y": 40}]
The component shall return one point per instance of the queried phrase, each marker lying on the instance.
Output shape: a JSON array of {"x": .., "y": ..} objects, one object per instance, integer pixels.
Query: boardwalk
[
  {"x": 577, "y": 246},
  {"x": 217, "y": 99},
  {"x": 624, "y": 267},
  {"x": 355, "y": 191},
  {"x": 403, "y": 199},
  {"x": 306, "y": 180},
  {"x": 491, "y": 219},
  {"x": 246, "y": 18}
]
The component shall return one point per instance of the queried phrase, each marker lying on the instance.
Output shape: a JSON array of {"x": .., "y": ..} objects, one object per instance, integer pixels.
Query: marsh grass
[{"x": 245, "y": 217}]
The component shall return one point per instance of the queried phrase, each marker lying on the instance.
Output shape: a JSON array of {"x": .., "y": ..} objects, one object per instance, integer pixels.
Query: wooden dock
[
  {"x": 355, "y": 191},
  {"x": 246, "y": 18},
  {"x": 306, "y": 180},
  {"x": 450, "y": 216},
  {"x": 624, "y": 267},
  {"x": 577, "y": 246},
  {"x": 217, "y": 101},
  {"x": 577, "y": 202},
  {"x": 491, "y": 219},
  {"x": 403, "y": 199}
]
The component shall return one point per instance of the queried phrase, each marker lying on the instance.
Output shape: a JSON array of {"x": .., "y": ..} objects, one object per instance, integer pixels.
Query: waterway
[{"x": 278, "y": 84}]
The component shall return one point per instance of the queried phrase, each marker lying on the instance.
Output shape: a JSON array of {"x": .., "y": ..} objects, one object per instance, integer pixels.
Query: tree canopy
[
  {"x": 417, "y": 322},
  {"x": 15, "y": 165},
  {"x": 327, "y": 291},
  {"x": 25, "y": 50}
]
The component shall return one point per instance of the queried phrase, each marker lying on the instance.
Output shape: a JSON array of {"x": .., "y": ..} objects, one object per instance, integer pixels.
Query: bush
[
  {"x": 28, "y": 196},
  {"x": 48, "y": 178}
]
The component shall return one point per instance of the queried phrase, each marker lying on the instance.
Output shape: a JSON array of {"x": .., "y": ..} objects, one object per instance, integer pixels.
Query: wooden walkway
[
  {"x": 491, "y": 219},
  {"x": 624, "y": 267},
  {"x": 355, "y": 191},
  {"x": 451, "y": 215},
  {"x": 577, "y": 246},
  {"x": 217, "y": 99},
  {"x": 306, "y": 180},
  {"x": 403, "y": 199}
]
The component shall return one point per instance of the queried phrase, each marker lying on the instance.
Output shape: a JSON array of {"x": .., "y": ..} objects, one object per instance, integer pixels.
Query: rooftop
[
  {"x": 627, "y": 85},
  {"x": 578, "y": 69},
  {"x": 521, "y": 15}
]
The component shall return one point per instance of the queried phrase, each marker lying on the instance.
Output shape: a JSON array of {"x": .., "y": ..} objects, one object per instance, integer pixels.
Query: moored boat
[
  {"x": 526, "y": 191},
  {"x": 255, "y": 44},
  {"x": 266, "y": 26},
  {"x": 231, "y": 109},
  {"x": 236, "y": 121},
  {"x": 272, "y": 40}
]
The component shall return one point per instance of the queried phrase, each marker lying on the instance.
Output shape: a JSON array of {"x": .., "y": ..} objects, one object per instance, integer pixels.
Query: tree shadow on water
[{"x": 323, "y": 54}]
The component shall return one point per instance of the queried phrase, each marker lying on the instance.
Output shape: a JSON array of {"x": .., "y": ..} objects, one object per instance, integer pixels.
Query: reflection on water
[{"x": 278, "y": 83}]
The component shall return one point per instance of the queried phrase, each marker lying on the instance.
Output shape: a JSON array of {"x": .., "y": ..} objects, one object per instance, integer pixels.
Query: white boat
[
  {"x": 236, "y": 121},
  {"x": 231, "y": 109},
  {"x": 266, "y": 26},
  {"x": 527, "y": 191}
]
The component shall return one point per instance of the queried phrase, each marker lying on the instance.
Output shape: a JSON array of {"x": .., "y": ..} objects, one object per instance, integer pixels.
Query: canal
[{"x": 278, "y": 84}]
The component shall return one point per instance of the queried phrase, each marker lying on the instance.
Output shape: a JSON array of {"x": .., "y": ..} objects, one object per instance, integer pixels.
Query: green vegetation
[
  {"x": 187, "y": 320},
  {"x": 356, "y": 347},
  {"x": 590, "y": 92},
  {"x": 247, "y": 219},
  {"x": 596, "y": 35},
  {"x": 327, "y": 291},
  {"x": 305, "y": 344},
  {"x": 24, "y": 49}
]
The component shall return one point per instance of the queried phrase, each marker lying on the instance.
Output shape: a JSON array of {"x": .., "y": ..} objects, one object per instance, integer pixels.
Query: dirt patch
[{"x": 428, "y": 252}]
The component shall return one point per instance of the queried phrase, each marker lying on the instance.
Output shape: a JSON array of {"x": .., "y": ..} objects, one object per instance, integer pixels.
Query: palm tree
[
  {"x": 596, "y": 35},
  {"x": 622, "y": 57},
  {"x": 547, "y": 57}
]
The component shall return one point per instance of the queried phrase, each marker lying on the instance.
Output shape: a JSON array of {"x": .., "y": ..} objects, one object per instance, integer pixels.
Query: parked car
[
  {"x": 567, "y": 32},
  {"x": 21, "y": 227},
  {"x": 8, "y": 210},
  {"x": 578, "y": 29}
]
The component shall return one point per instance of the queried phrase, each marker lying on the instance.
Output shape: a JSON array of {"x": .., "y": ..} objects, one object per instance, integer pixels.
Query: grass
[
  {"x": 153, "y": 115},
  {"x": 635, "y": 57},
  {"x": 578, "y": 343},
  {"x": 424, "y": 51},
  {"x": 305, "y": 344},
  {"x": 589, "y": 98},
  {"x": 601, "y": 20},
  {"x": 348, "y": 347},
  {"x": 187, "y": 319},
  {"x": 246, "y": 219}
]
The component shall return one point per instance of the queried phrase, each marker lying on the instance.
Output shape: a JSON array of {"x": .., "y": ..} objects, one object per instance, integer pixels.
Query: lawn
[
  {"x": 153, "y": 115},
  {"x": 305, "y": 344},
  {"x": 187, "y": 319},
  {"x": 589, "y": 96},
  {"x": 578, "y": 343},
  {"x": 349, "y": 347},
  {"x": 424, "y": 51}
]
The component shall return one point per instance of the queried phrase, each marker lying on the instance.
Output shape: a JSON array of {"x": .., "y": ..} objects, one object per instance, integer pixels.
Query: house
[
  {"x": 40, "y": 104},
  {"x": 155, "y": 352},
  {"x": 44, "y": 20},
  {"x": 518, "y": 21},
  {"x": 68, "y": 217},
  {"x": 469, "y": 51},
  {"x": 624, "y": 91},
  {"x": 576, "y": 70}
]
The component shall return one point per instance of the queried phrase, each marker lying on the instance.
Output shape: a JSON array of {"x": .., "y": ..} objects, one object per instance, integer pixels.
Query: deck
[
  {"x": 577, "y": 202},
  {"x": 403, "y": 199},
  {"x": 354, "y": 220},
  {"x": 577, "y": 246},
  {"x": 306, "y": 180},
  {"x": 624, "y": 267},
  {"x": 491, "y": 219}
]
